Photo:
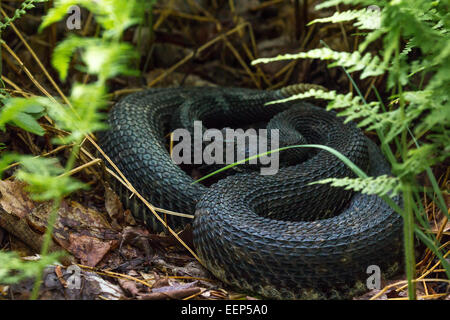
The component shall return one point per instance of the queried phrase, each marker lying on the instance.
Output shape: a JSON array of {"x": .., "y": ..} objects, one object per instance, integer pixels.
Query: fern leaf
[
  {"x": 343, "y": 16},
  {"x": 351, "y": 107},
  {"x": 366, "y": 18},
  {"x": 370, "y": 65},
  {"x": 367, "y": 115},
  {"x": 333, "y": 3},
  {"x": 418, "y": 160},
  {"x": 380, "y": 185}
]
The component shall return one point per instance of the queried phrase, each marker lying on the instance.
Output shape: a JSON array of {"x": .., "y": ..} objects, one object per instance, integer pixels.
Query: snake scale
[{"x": 274, "y": 235}]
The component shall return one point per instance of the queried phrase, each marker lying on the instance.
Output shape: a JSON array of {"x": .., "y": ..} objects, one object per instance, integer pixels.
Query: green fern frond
[
  {"x": 351, "y": 107},
  {"x": 366, "y": 19},
  {"x": 369, "y": 64},
  {"x": 436, "y": 25},
  {"x": 418, "y": 161},
  {"x": 408, "y": 47},
  {"x": 301, "y": 88},
  {"x": 429, "y": 102},
  {"x": 312, "y": 93},
  {"x": 343, "y": 16},
  {"x": 381, "y": 185},
  {"x": 333, "y": 3}
]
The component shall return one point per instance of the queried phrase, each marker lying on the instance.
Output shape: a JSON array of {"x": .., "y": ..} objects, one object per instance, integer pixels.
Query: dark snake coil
[{"x": 276, "y": 234}]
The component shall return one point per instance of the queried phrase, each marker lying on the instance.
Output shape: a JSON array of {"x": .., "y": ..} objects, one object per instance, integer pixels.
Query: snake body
[{"x": 274, "y": 235}]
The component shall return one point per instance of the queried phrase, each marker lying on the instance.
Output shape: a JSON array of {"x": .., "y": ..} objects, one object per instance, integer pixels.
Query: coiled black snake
[{"x": 270, "y": 234}]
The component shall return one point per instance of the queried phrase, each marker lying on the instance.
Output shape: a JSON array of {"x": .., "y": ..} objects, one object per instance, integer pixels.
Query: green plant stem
[
  {"x": 45, "y": 246},
  {"x": 73, "y": 156},
  {"x": 407, "y": 182},
  {"x": 51, "y": 223},
  {"x": 408, "y": 234}
]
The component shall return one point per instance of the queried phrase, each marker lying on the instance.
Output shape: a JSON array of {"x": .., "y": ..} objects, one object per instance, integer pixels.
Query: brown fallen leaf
[
  {"x": 173, "y": 291},
  {"x": 138, "y": 237},
  {"x": 82, "y": 231},
  {"x": 179, "y": 294},
  {"x": 88, "y": 249},
  {"x": 114, "y": 208},
  {"x": 180, "y": 265},
  {"x": 160, "y": 283},
  {"x": 15, "y": 206},
  {"x": 130, "y": 286},
  {"x": 14, "y": 199},
  {"x": 174, "y": 286}
]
